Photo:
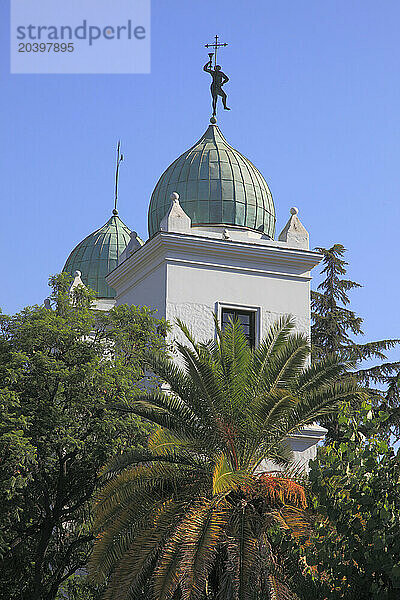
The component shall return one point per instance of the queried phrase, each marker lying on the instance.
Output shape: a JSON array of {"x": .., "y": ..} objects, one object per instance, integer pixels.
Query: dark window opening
[{"x": 247, "y": 320}]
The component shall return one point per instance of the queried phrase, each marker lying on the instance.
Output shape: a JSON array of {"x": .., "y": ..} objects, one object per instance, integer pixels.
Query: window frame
[{"x": 256, "y": 310}]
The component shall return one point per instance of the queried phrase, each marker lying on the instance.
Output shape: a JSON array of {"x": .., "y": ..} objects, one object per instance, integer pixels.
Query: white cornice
[
  {"x": 310, "y": 432},
  {"x": 276, "y": 259}
]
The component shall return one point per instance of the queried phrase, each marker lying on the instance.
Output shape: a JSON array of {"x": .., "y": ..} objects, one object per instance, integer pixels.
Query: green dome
[
  {"x": 216, "y": 185},
  {"x": 97, "y": 255}
]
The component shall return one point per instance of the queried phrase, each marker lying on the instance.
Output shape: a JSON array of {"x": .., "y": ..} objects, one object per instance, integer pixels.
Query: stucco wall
[
  {"x": 148, "y": 289},
  {"x": 194, "y": 291}
]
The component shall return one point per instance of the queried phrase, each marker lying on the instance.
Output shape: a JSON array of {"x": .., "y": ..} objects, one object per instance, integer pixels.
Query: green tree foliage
[
  {"x": 335, "y": 329},
  {"x": 79, "y": 587},
  {"x": 355, "y": 546},
  {"x": 63, "y": 371},
  {"x": 192, "y": 516},
  {"x": 18, "y": 458}
]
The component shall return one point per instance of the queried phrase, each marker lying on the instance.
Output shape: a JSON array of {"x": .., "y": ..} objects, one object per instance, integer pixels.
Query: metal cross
[
  {"x": 215, "y": 45},
  {"x": 120, "y": 158}
]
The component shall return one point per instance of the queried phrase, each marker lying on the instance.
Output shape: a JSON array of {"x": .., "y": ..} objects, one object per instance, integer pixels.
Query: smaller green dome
[{"x": 97, "y": 255}]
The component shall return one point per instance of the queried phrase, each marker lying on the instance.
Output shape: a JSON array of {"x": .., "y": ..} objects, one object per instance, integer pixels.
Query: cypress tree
[{"x": 334, "y": 327}]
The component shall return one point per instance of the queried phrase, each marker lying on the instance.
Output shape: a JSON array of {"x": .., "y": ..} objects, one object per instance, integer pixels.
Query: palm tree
[{"x": 192, "y": 516}]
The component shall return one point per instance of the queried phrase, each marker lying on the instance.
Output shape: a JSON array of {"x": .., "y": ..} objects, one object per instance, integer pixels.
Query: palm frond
[
  {"x": 293, "y": 520},
  {"x": 204, "y": 377},
  {"x": 278, "y": 489},
  {"x": 288, "y": 362},
  {"x": 205, "y": 528},
  {"x": 274, "y": 341},
  {"x": 232, "y": 360},
  {"x": 247, "y": 556},
  {"x": 318, "y": 404},
  {"x": 278, "y": 590},
  {"x": 115, "y": 546},
  {"x": 157, "y": 404},
  {"x": 168, "y": 575},
  {"x": 225, "y": 478},
  {"x": 140, "y": 482},
  {"x": 180, "y": 384},
  {"x": 321, "y": 373},
  {"x": 188, "y": 334},
  {"x": 162, "y": 442}
]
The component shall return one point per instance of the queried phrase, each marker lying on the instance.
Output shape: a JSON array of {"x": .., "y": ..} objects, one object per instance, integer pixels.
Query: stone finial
[
  {"x": 176, "y": 219},
  {"x": 174, "y": 197},
  {"x": 134, "y": 244},
  {"x": 294, "y": 232}
]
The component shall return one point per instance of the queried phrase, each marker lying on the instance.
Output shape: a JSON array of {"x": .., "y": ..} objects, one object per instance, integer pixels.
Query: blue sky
[{"x": 314, "y": 91}]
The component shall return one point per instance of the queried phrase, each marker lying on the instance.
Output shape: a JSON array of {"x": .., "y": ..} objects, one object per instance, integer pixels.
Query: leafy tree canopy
[
  {"x": 355, "y": 545},
  {"x": 62, "y": 373}
]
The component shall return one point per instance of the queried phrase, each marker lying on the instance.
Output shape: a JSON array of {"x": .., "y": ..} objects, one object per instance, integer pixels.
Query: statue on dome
[{"x": 218, "y": 77}]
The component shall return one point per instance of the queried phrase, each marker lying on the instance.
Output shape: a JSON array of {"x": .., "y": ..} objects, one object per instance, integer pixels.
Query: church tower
[
  {"x": 211, "y": 250},
  {"x": 211, "y": 247}
]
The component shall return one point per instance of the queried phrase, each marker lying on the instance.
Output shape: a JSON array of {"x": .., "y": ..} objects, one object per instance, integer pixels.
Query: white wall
[
  {"x": 146, "y": 289},
  {"x": 190, "y": 275},
  {"x": 193, "y": 292}
]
